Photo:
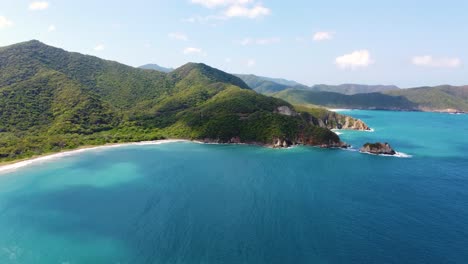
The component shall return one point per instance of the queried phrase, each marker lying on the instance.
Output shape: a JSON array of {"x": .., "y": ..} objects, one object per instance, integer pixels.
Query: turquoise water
[{"x": 194, "y": 203}]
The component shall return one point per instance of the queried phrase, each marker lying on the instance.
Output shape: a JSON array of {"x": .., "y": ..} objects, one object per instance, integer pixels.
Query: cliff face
[{"x": 332, "y": 120}]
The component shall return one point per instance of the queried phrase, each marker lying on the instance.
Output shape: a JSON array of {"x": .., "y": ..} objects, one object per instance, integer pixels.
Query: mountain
[
  {"x": 52, "y": 99},
  {"x": 156, "y": 68},
  {"x": 443, "y": 98},
  {"x": 253, "y": 79},
  {"x": 439, "y": 99},
  {"x": 351, "y": 89},
  {"x": 268, "y": 85}
]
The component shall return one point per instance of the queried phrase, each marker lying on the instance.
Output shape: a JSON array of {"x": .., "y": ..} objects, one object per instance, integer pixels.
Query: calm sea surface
[{"x": 194, "y": 203}]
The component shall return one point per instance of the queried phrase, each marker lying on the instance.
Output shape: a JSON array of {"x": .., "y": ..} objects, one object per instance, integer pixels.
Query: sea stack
[{"x": 378, "y": 148}]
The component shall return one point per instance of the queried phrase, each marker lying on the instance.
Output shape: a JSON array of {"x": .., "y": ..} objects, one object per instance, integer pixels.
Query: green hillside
[
  {"x": 351, "y": 89},
  {"x": 441, "y": 98},
  {"x": 266, "y": 85},
  {"x": 438, "y": 98},
  {"x": 51, "y": 99},
  {"x": 337, "y": 100}
]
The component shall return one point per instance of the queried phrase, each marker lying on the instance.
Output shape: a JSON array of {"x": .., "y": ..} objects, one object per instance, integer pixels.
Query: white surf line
[
  {"x": 397, "y": 155},
  {"x": 339, "y": 109},
  {"x": 20, "y": 164}
]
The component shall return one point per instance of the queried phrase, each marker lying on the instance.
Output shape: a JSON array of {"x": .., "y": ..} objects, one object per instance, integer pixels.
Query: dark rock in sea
[{"x": 378, "y": 148}]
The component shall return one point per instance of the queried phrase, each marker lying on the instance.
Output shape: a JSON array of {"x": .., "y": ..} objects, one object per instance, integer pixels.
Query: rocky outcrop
[
  {"x": 378, "y": 149},
  {"x": 332, "y": 120},
  {"x": 286, "y": 110},
  {"x": 283, "y": 143},
  {"x": 353, "y": 124}
]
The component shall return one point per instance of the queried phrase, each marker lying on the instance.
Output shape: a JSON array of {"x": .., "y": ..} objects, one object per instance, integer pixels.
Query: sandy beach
[{"x": 46, "y": 157}]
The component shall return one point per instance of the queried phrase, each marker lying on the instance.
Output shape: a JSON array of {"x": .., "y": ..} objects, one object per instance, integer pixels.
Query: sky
[{"x": 405, "y": 43}]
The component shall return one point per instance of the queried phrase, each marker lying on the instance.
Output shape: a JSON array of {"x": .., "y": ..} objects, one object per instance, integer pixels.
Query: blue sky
[{"x": 407, "y": 43}]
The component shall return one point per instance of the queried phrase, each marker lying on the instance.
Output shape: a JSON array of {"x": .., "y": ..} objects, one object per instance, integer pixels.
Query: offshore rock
[{"x": 378, "y": 148}]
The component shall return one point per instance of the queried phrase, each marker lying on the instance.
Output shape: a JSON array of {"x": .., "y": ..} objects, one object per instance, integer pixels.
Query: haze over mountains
[
  {"x": 156, "y": 67},
  {"x": 269, "y": 85},
  {"x": 443, "y": 98}
]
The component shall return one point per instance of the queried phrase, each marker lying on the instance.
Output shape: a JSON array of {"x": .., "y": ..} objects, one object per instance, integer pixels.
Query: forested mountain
[
  {"x": 51, "y": 99},
  {"x": 351, "y": 89},
  {"x": 156, "y": 67},
  {"x": 439, "y": 99},
  {"x": 268, "y": 85}
]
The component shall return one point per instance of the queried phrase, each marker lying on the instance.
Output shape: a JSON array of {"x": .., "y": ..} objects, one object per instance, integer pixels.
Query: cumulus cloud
[
  {"x": 51, "y": 28},
  {"x": 216, "y": 3},
  {"x": 178, "y": 36},
  {"x": 5, "y": 22},
  {"x": 248, "y": 12},
  {"x": 356, "y": 59},
  {"x": 429, "y": 61},
  {"x": 323, "y": 35},
  {"x": 259, "y": 41},
  {"x": 99, "y": 47},
  {"x": 38, "y": 5},
  {"x": 231, "y": 8},
  {"x": 192, "y": 50},
  {"x": 251, "y": 62}
]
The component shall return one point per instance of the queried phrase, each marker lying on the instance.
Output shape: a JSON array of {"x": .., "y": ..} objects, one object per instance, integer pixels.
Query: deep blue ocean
[{"x": 196, "y": 203}]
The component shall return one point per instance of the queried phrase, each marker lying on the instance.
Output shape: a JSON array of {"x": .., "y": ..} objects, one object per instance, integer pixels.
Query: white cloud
[
  {"x": 204, "y": 19},
  {"x": 356, "y": 59},
  {"x": 216, "y": 3},
  {"x": 251, "y": 62},
  {"x": 230, "y": 9},
  {"x": 178, "y": 36},
  {"x": 429, "y": 61},
  {"x": 99, "y": 47},
  {"x": 260, "y": 41},
  {"x": 5, "y": 22},
  {"x": 248, "y": 12},
  {"x": 323, "y": 35},
  {"x": 51, "y": 28},
  {"x": 192, "y": 50},
  {"x": 38, "y": 5}
]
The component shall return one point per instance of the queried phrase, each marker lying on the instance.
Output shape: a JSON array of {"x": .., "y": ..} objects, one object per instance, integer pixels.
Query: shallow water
[{"x": 194, "y": 203}]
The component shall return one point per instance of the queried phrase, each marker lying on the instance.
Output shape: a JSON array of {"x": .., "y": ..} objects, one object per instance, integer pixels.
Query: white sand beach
[{"x": 47, "y": 157}]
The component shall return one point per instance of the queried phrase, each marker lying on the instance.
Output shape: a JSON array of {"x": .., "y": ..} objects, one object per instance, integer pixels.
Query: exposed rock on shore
[
  {"x": 279, "y": 143},
  {"x": 332, "y": 120},
  {"x": 378, "y": 148}
]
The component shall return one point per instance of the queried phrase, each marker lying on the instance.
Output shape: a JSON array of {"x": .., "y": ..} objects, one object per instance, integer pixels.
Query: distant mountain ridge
[
  {"x": 351, "y": 89},
  {"x": 436, "y": 99},
  {"x": 156, "y": 67},
  {"x": 267, "y": 85},
  {"x": 444, "y": 98}
]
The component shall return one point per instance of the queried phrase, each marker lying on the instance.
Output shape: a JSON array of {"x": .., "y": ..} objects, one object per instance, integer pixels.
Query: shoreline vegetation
[{"x": 9, "y": 166}]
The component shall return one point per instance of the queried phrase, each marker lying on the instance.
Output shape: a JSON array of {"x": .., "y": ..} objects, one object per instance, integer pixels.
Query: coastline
[
  {"x": 16, "y": 164},
  {"x": 422, "y": 110},
  {"x": 13, "y": 165}
]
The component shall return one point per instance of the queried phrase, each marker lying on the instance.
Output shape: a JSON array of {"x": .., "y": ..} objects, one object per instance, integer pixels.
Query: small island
[{"x": 378, "y": 148}]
